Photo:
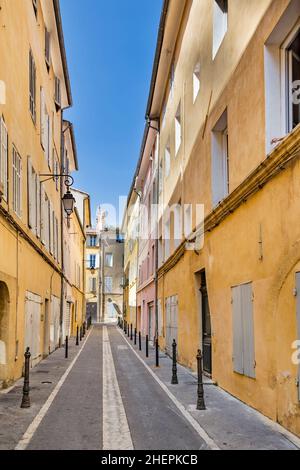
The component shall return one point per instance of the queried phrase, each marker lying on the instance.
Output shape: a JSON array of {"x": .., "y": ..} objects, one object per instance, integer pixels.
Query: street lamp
[
  {"x": 93, "y": 270},
  {"x": 68, "y": 199}
]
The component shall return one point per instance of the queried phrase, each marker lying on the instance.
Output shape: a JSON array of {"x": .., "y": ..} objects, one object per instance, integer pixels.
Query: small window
[
  {"x": 167, "y": 160},
  {"x": 220, "y": 160},
  {"x": 178, "y": 136},
  {"x": 17, "y": 201},
  {"x": 32, "y": 87},
  {"x": 220, "y": 25},
  {"x": 109, "y": 260},
  {"x": 92, "y": 261},
  {"x": 47, "y": 48},
  {"x": 293, "y": 68},
  {"x": 196, "y": 81}
]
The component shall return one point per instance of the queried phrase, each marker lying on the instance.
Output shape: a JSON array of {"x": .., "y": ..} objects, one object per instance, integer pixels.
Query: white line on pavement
[
  {"x": 202, "y": 433},
  {"x": 25, "y": 440},
  {"x": 116, "y": 432}
]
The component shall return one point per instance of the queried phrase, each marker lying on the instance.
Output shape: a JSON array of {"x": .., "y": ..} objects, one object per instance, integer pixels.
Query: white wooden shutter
[
  {"x": 50, "y": 148},
  {"x": 31, "y": 199},
  {"x": 38, "y": 207},
  {"x": 43, "y": 216},
  {"x": 3, "y": 157},
  {"x": 51, "y": 228},
  {"x": 43, "y": 120},
  {"x": 47, "y": 138}
]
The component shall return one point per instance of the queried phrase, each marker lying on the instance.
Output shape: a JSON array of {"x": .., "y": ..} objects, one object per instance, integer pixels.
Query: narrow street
[{"x": 108, "y": 396}]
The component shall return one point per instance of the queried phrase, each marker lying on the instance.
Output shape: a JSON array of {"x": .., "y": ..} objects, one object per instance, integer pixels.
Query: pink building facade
[{"x": 147, "y": 246}]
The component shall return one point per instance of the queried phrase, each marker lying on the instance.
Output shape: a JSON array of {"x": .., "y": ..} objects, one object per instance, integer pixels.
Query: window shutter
[
  {"x": 30, "y": 195},
  {"x": 51, "y": 228},
  {"x": 43, "y": 119},
  {"x": 43, "y": 216},
  {"x": 3, "y": 157},
  {"x": 38, "y": 207},
  {"x": 248, "y": 330},
  {"x": 50, "y": 148},
  {"x": 238, "y": 359},
  {"x": 34, "y": 200}
]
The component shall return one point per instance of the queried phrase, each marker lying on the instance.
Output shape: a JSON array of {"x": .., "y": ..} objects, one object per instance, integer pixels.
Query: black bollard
[
  {"x": 200, "y": 401},
  {"x": 174, "y": 366},
  {"x": 128, "y": 331},
  {"x": 77, "y": 336},
  {"x": 147, "y": 346},
  {"x": 131, "y": 335},
  {"x": 140, "y": 341},
  {"x": 135, "y": 336},
  {"x": 157, "y": 352},
  {"x": 125, "y": 326},
  {"x": 26, "y": 389},
  {"x": 67, "y": 347},
  {"x": 80, "y": 334},
  {"x": 83, "y": 329}
]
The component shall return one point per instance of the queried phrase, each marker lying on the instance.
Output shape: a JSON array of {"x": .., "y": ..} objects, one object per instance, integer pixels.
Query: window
[
  {"x": 34, "y": 199},
  {"x": 109, "y": 260},
  {"x": 46, "y": 129},
  {"x": 17, "y": 200},
  {"x": 3, "y": 158},
  {"x": 167, "y": 239},
  {"x": 108, "y": 284},
  {"x": 92, "y": 261},
  {"x": 178, "y": 136},
  {"x": 220, "y": 23},
  {"x": 57, "y": 93},
  {"x": 243, "y": 330},
  {"x": 293, "y": 81},
  {"x": 196, "y": 81},
  {"x": 45, "y": 219},
  {"x": 32, "y": 87},
  {"x": 167, "y": 160},
  {"x": 220, "y": 160},
  {"x": 92, "y": 240},
  {"x": 47, "y": 48}
]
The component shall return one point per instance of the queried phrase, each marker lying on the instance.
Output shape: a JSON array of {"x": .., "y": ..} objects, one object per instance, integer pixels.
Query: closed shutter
[
  {"x": 248, "y": 330},
  {"x": 30, "y": 197},
  {"x": 32, "y": 326},
  {"x": 3, "y": 157},
  {"x": 38, "y": 207},
  {"x": 47, "y": 141},
  {"x": 43, "y": 120},
  {"x": 51, "y": 228},
  {"x": 160, "y": 318},
  {"x": 43, "y": 216},
  {"x": 238, "y": 355},
  {"x": 243, "y": 330},
  {"x": 50, "y": 148},
  {"x": 68, "y": 320},
  {"x": 298, "y": 323}
]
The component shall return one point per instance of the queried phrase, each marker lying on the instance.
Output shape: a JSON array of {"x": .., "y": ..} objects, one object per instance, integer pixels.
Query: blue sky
[{"x": 110, "y": 48}]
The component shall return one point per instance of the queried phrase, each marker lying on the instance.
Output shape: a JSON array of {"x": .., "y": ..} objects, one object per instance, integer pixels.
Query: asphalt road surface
[{"x": 110, "y": 401}]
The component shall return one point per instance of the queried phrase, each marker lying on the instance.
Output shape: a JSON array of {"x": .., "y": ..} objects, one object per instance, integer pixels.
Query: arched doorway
[{"x": 4, "y": 308}]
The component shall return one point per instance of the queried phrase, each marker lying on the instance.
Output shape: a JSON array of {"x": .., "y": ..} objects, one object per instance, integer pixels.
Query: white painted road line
[
  {"x": 24, "y": 442},
  {"x": 202, "y": 433},
  {"x": 116, "y": 432}
]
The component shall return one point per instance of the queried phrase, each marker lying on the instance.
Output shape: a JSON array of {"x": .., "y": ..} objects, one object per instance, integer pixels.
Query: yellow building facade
[
  {"x": 34, "y": 140},
  {"x": 223, "y": 93}
]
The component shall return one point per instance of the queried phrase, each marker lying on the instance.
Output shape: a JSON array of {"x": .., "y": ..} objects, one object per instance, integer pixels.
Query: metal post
[
  {"x": 80, "y": 334},
  {"x": 67, "y": 347},
  {"x": 147, "y": 346},
  {"x": 77, "y": 336},
  {"x": 140, "y": 341},
  {"x": 131, "y": 335},
  {"x": 200, "y": 401},
  {"x": 174, "y": 367},
  {"x": 135, "y": 336},
  {"x": 26, "y": 389},
  {"x": 128, "y": 330},
  {"x": 157, "y": 352}
]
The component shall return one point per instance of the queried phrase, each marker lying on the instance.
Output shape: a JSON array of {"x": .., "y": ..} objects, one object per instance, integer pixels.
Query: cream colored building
[{"x": 35, "y": 89}]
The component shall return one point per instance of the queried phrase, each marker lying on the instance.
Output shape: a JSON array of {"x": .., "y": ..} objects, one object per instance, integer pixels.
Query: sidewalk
[
  {"x": 231, "y": 424},
  {"x": 43, "y": 380}
]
